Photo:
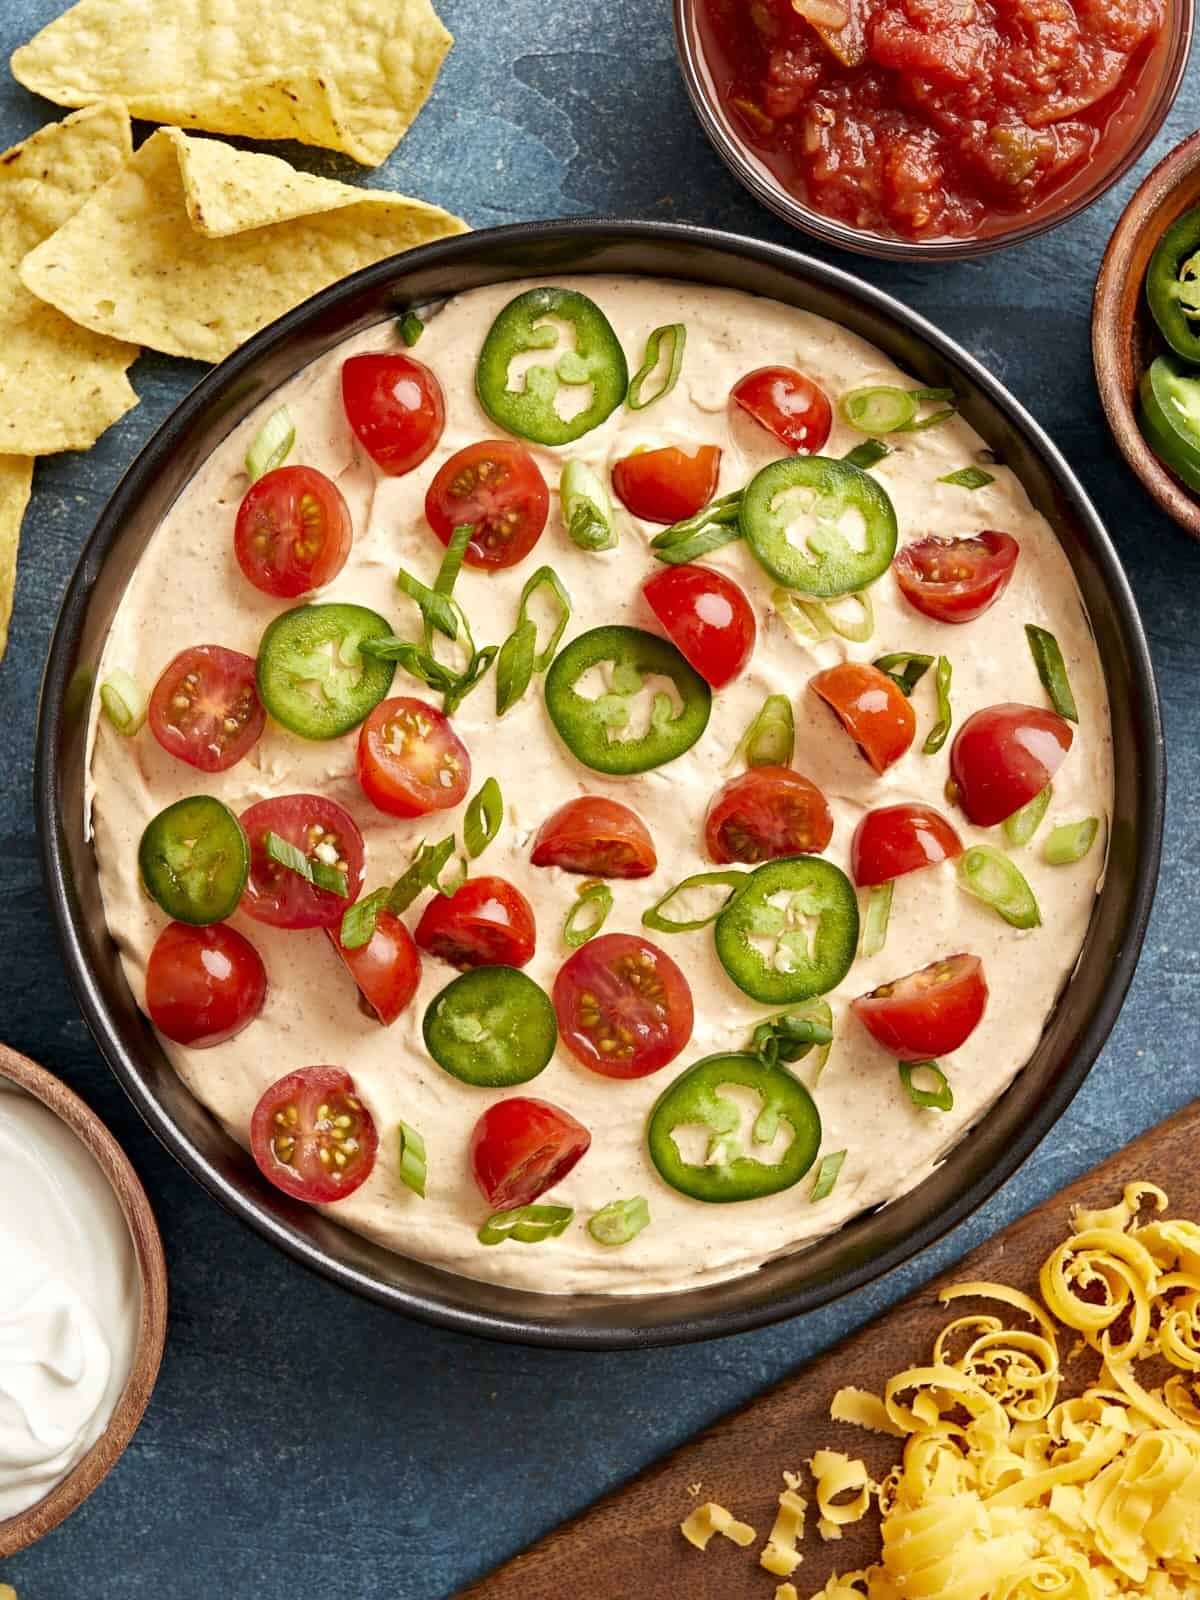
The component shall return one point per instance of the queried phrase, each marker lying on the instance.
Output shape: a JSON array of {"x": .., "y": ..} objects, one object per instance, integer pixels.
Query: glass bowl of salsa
[{"x": 931, "y": 128}]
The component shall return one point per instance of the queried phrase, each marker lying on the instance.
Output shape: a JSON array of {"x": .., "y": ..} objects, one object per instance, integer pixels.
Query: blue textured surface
[{"x": 300, "y": 1441}]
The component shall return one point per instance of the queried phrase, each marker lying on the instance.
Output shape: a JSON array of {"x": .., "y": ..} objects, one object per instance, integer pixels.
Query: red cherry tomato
[
  {"x": 203, "y": 985},
  {"x": 1002, "y": 756},
  {"x": 597, "y": 837},
  {"x": 871, "y": 708},
  {"x": 956, "y": 580},
  {"x": 325, "y": 832},
  {"x": 387, "y": 969},
  {"x": 929, "y": 1013},
  {"x": 624, "y": 1008},
  {"x": 312, "y": 1136},
  {"x": 521, "y": 1147},
  {"x": 709, "y": 619},
  {"x": 667, "y": 485},
  {"x": 486, "y": 922},
  {"x": 767, "y": 812},
  {"x": 787, "y": 404},
  {"x": 292, "y": 532},
  {"x": 496, "y": 486},
  {"x": 898, "y": 839},
  {"x": 410, "y": 760},
  {"x": 205, "y": 708},
  {"x": 396, "y": 407}
]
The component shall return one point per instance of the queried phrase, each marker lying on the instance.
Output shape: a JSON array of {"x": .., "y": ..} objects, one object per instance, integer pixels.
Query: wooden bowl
[
  {"x": 18, "y": 1532},
  {"x": 1124, "y": 338}
]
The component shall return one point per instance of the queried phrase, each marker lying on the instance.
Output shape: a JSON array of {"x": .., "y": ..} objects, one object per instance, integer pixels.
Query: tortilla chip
[
  {"x": 16, "y": 479},
  {"x": 60, "y": 385},
  {"x": 349, "y": 75},
  {"x": 196, "y": 245}
]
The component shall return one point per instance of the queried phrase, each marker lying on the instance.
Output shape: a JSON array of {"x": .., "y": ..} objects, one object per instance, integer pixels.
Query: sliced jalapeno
[
  {"x": 194, "y": 860},
  {"x": 492, "y": 1027},
  {"x": 791, "y": 933},
  {"x": 1169, "y": 414},
  {"x": 1173, "y": 286},
  {"x": 312, "y": 676},
  {"x": 818, "y": 491}
]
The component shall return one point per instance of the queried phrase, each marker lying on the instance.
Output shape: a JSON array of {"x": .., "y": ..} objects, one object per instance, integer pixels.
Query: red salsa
[{"x": 928, "y": 119}]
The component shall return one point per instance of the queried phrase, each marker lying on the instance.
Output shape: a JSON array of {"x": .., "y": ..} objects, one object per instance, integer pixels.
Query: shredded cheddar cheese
[
  {"x": 786, "y": 1591},
  {"x": 780, "y": 1555},
  {"x": 844, "y": 1491},
  {"x": 711, "y": 1518}
]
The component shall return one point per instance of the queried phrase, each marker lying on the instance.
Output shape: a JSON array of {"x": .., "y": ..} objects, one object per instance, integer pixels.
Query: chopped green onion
[
  {"x": 770, "y": 740},
  {"x": 423, "y": 665},
  {"x": 620, "y": 1221},
  {"x": 319, "y": 873},
  {"x": 941, "y": 728},
  {"x": 412, "y": 1159},
  {"x": 990, "y": 876},
  {"x": 423, "y": 872},
  {"x": 969, "y": 478},
  {"x": 1052, "y": 670},
  {"x": 436, "y": 608},
  {"x": 477, "y": 668},
  {"x": 483, "y": 819},
  {"x": 587, "y": 508},
  {"x": 1023, "y": 824},
  {"x": 360, "y": 920},
  {"x": 875, "y": 923},
  {"x": 732, "y": 879},
  {"x": 789, "y": 1036},
  {"x": 904, "y": 668},
  {"x": 411, "y": 328},
  {"x": 124, "y": 702},
  {"x": 547, "y": 578},
  {"x": 514, "y": 666},
  {"x": 939, "y": 1098},
  {"x": 827, "y": 1175},
  {"x": 818, "y": 619},
  {"x": 1071, "y": 841},
  {"x": 589, "y": 913},
  {"x": 526, "y": 1224},
  {"x": 883, "y": 408},
  {"x": 867, "y": 454},
  {"x": 272, "y": 444},
  {"x": 453, "y": 559},
  {"x": 697, "y": 536},
  {"x": 676, "y": 335}
]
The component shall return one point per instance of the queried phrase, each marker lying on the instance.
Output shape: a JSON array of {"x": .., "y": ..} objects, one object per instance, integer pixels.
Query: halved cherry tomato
[
  {"x": 767, "y": 812},
  {"x": 597, "y": 837},
  {"x": 325, "y": 832},
  {"x": 871, "y": 708},
  {"x": 928, "y": 1013},
  {"x": 624, "y": 1008},
  {"x": 956, "y": 580},
  {"x": 410, "y": 760},
  {"x": 708, "y": 618},
  {"x": 205, "y": 708},
  {"x": 486, "y": 922},
  {"x": 667, "y": 485},
  {"x": 387, "y": 969},
  {"x": 312, "y": 1136},
  {"x": 292, "y": 532},
  {"x": 496, "y": 486},
  {"x": 898, "y": 839},
  {"x": 521, "y": 1147},
  {"x": 1002, "y": 756},
  {"x": 787, "y": 404},
  {"x": 395, "y": 406},
  {"x": 203, "y": 985}
]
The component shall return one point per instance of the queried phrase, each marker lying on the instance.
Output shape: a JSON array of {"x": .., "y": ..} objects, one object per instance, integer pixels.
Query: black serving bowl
[{"x": 866, "y": 1247}]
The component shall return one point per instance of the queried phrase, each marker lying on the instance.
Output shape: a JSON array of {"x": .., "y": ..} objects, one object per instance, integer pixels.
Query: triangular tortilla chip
[
  {"x": 60, "y": 385},
  {"x": 196, "y": 245},
  {"x": 16, "y": 478},
  {"x": 345, "y": 74}
]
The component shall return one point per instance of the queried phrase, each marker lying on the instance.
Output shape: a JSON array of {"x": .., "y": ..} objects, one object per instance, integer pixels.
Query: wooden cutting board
[{"x": 628, "y": 1546}]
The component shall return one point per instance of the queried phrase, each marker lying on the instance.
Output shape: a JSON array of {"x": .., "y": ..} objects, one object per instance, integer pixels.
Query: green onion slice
[
  {"x": 423, "y": 665},
  {"x": 882, "y": 408},
  {"x": 875, "y": 923},
  {"x": 272, "y": 444},
  {"x": 483, "y": 819},
  {"x": 969, "y": 478},
  {"x": 360, "y": 920},
  {"x": 412, "y": 1159},
  {"x": 939, "y": 1098},
  {"x": 587, "y": 508},
  {"x": 526, "y": 1224},
  {"x": 476, "y": 670},
  {"x": 1071, "y": 841},
  {"x": 547, "y": 578},
  {"x": 731, "y": 879},
  {"x": 790, "y": 1036},
  {"x": 424, "y": 871},
  {"x": 436, "y": 609},
  {"x": 827, "y": 1175},
  {"x": 124, "y": 702},
  {"x": 821, "y": 619},
  {"x": 319, "y": 873},
  {"x": 940, "y": 731},
  {"x": 697, "y": 536},
  {"x": 674, "y": 335},
  {"x": 620, "y": 1221},
  {"x": 990, "y": 876},
  {"x": 453, "y": 559},
  {"x": 1052, "y": 670},
  {"x": 1023, "y": 824},
  {"x": 867, "y": 454},
  {"x": 770, "y": 740},
  {"x": 411, "y": 328},
  {"x": 904, "y": 668},
  {"x": 514, "y": 666},
  {"x": 589, "y": 913}
]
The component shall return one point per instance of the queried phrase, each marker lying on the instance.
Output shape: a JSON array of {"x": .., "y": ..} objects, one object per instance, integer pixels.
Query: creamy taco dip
[{"x": 770, "y": 617}]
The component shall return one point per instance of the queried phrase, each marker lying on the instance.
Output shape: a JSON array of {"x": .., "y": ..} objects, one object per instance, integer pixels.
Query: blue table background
[{"x": 299, "y": 1440}]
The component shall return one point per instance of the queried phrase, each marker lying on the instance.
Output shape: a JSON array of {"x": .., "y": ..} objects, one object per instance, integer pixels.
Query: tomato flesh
[
  {"x": 205, "y": 708},
  {"x": 410, "y": 760},
  {"x": 325, "y": 832},
  {"x": 765, "y": 813},
  {"x": 293, "y": 532},
  {"x": 789, "y": 405},
  {"x": 667, "y": 485},
  {"x": 956, "y": 580},
  {"x": 1004, "y": 755},
  {"x": 396, "y": 408},
  {"x": 496, "y": 486},
  {"x": 387, "y": 969},
  {"x": 486, "y": 922},
  {"x": 708, "y": 618},
  {"x": 872, "y": 709},
  {"x": 624, "y": 1008},
  {"x": 928, "y": 1013},
  {"x": 203, "y": 985},
  {"x": 520, "y": 1147},
  {"x": 597, "y": 837},
  {"x": 312, "y": 1136},
  {"x": 893, "y": 840}
]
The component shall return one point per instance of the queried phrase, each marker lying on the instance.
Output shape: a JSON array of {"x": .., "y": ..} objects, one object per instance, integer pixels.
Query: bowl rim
[
  {"x": 499, "y": 245},
  {"x": 19, "y": 1532},
  {"x": 770, "y": 192}
]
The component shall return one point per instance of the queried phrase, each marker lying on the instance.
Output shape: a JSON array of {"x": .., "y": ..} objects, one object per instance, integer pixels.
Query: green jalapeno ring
[
  {"x": 826, "y": 565},
  {"x": 818, "y": 892},
  {"x": 1172, "y": 290},
  {"x": 194, "y": 859},
  {"x": 1169, "y": 416},
  {"x": 312, "y": 676}
]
